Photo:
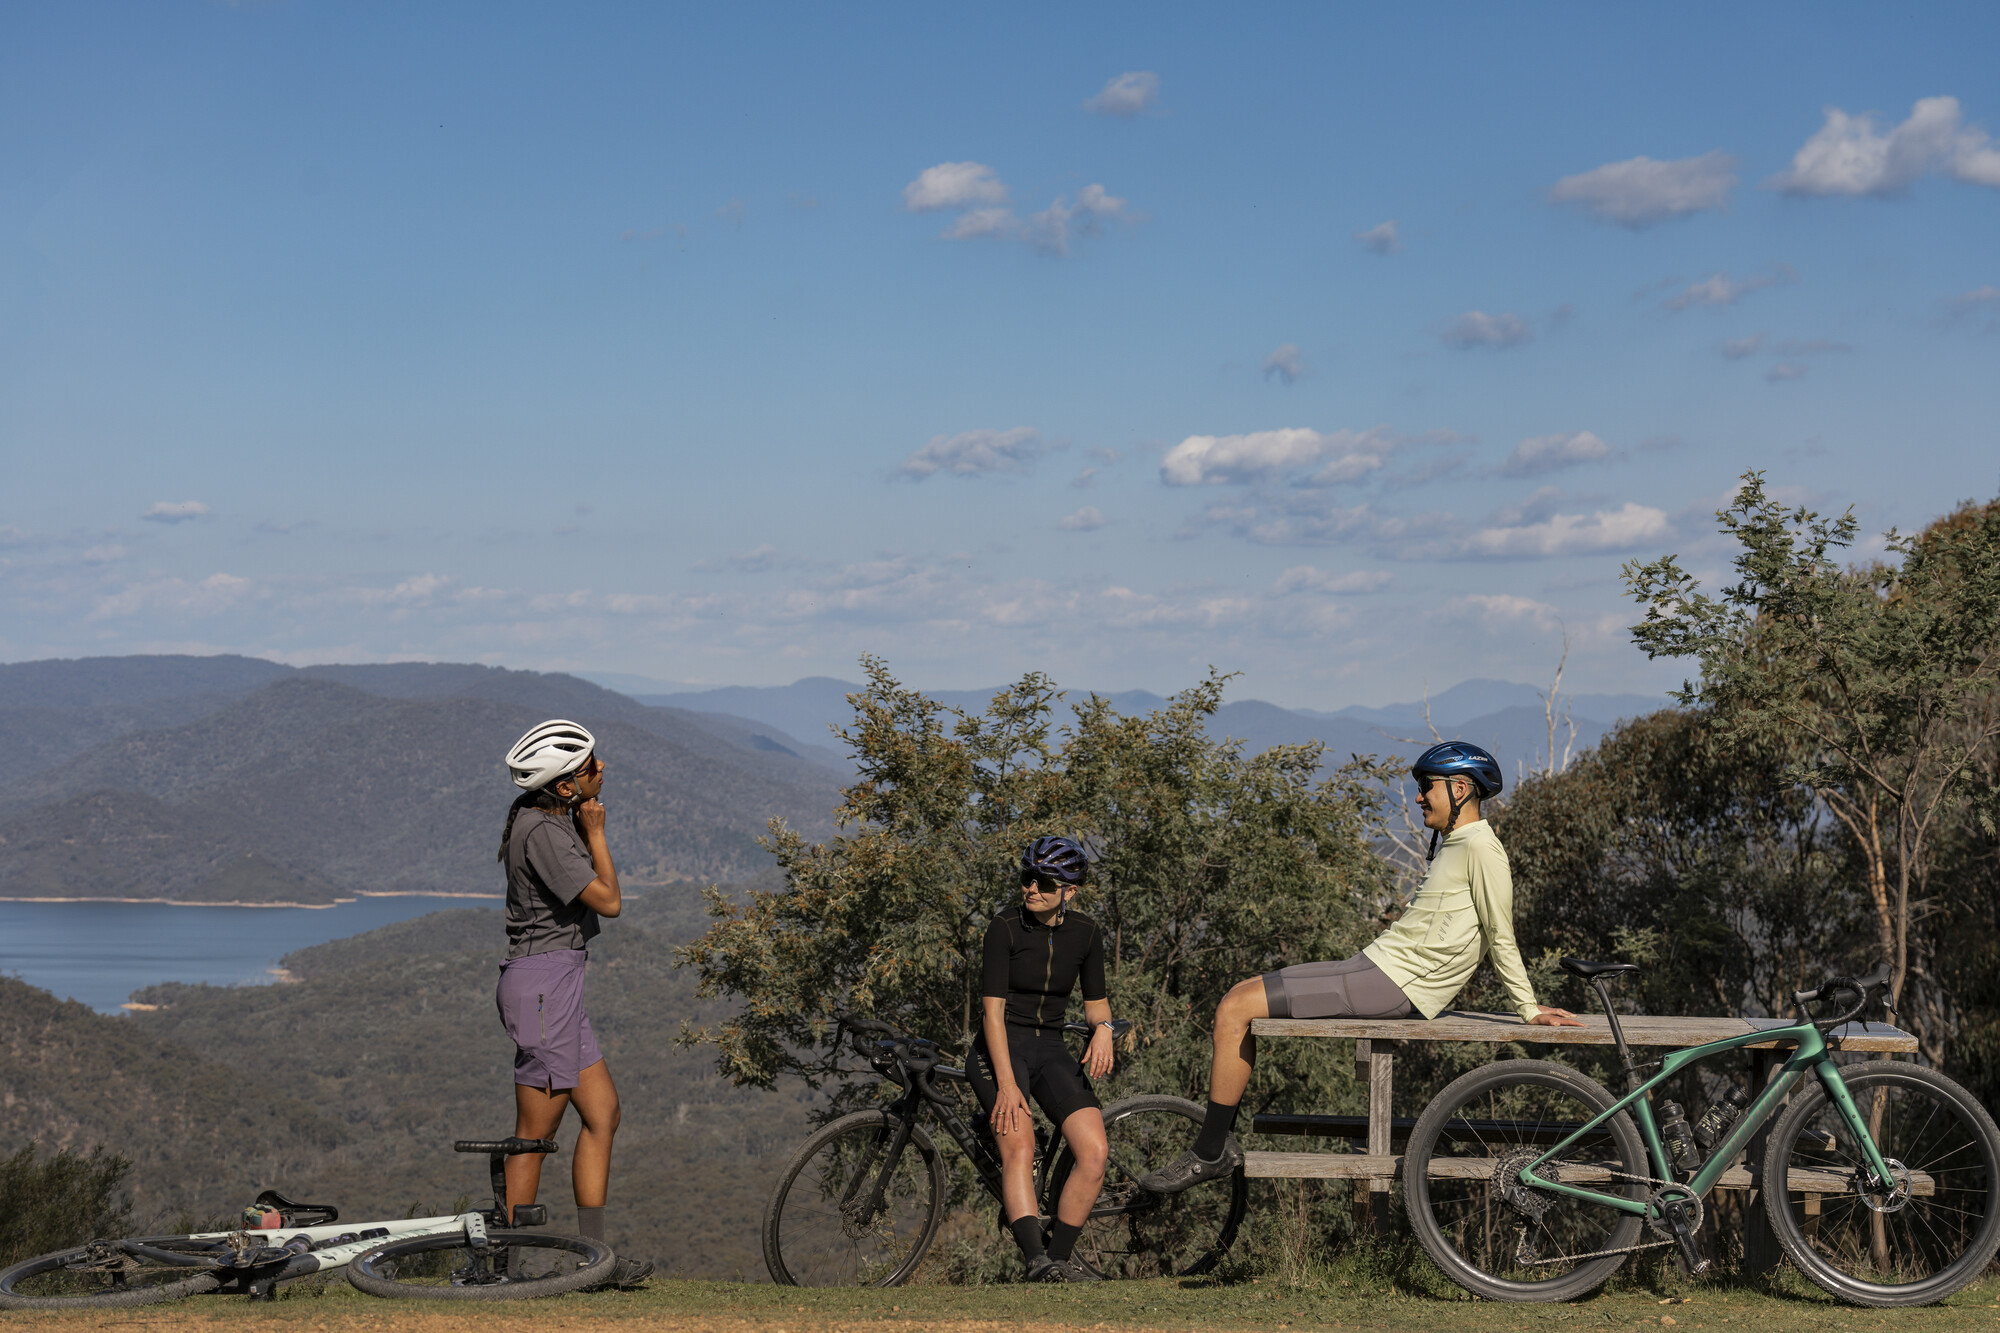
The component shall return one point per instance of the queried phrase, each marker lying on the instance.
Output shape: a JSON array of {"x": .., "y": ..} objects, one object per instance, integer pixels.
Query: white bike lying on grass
[{"x": 470, "y": 1256}]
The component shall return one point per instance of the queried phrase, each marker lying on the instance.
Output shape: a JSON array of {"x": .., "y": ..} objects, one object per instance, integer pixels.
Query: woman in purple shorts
[{"x": 560, "y": 880}]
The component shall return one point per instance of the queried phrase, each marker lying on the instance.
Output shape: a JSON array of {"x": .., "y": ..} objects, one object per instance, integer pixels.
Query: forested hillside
[{"x": 337, "y": 780}]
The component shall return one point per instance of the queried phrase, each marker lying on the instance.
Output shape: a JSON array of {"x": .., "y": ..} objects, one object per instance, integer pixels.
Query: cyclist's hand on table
[
  {"x": 1552, "y": 1017},
  {"x": 1097, "y": 1060},
  {"x": 1010, "y": 1112},
  {"x": 590, "y": 817}
]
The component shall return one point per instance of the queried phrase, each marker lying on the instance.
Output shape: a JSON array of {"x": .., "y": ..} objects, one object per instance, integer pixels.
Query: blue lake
[{"x": 100, "y": 953}]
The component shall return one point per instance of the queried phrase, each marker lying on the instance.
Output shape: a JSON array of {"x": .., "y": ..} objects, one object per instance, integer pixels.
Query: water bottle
[
  {"x": 1674, "y": 1132},
  {"x": 1720, "y": 1115}
]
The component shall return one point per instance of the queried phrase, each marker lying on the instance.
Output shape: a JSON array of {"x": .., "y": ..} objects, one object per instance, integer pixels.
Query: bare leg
[
  {"x": 597, "y": 1106},
  {"x": 1084, "y": 1131},
  {"x": 537, "y": 1113},
  {"x": 1235, "y": 1048},
  {"x": 1017, "y": 1169}
]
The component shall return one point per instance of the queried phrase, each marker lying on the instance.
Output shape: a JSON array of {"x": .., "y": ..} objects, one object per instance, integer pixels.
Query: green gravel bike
[{"x": 1528, "y": 1181}]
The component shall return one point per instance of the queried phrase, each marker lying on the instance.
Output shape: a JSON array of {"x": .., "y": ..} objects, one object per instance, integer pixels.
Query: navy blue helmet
[
  {"x": 1055, "y": 858},
  {"x": 1461, "y": 759}
]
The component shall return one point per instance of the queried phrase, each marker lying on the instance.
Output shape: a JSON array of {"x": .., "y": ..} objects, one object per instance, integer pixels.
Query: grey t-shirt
[{"x": 547, "y": 868}]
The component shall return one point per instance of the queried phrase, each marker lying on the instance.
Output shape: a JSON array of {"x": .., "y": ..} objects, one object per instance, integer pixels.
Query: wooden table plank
[
  {"x": 1371, "y": 1166},
  {"x": 1640, "y": 1030}
]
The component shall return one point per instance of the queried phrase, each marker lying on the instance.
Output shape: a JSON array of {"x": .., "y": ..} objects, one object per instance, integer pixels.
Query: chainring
[{"x": 1688, "y": 1202}]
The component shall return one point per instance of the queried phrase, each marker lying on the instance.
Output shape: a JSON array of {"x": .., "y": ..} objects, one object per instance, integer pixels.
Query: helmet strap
[{"x": 1458, "y": 803}]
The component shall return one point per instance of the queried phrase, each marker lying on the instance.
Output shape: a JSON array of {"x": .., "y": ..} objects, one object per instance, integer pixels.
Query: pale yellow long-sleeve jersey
[{"x": 1463, "y": 911}]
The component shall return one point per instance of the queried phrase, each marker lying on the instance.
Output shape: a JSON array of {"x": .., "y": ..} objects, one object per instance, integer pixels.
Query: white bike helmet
[{"x": 549, "y": 753}]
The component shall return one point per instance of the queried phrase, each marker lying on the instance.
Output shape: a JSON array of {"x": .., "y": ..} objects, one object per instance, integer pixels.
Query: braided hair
[{"x": 543, "y": 799}]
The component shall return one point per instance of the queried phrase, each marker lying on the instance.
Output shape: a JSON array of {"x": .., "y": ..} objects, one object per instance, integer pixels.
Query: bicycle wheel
[
  {"x": 1912, "y": 1245},
  {"x": 516, "y": 1266},
  {"x": 109, "y": 1273},
  {"x": 818, "y": 1230},
  {"x": 1135, "y": 1233},
  {"x": 1506, "y": 1241}
]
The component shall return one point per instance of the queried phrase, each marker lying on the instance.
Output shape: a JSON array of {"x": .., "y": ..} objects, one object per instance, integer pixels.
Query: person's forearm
[
  {"x": 1097, "y": 1011},
  {"x": 994, "y": 1025}
]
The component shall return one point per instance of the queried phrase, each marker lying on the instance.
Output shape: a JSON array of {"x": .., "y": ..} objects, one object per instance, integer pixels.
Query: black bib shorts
[{"x": 1045, "y": 1069}]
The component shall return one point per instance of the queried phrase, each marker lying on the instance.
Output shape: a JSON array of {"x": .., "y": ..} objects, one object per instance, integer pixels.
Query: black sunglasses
[{"x": 1049, "y": 883}]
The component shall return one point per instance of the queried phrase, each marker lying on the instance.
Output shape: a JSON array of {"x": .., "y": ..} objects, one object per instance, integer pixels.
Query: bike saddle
[
  {"x": 299, "y": 1214},
  {"x": 1577, "y": 967},
  {"x": 1119, "y": 1027}
]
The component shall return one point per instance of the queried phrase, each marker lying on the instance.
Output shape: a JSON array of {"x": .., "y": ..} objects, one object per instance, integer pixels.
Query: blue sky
[{"x": 1348, "y": 350}]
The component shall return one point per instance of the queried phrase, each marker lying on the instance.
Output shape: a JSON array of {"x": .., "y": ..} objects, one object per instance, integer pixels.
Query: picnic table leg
[
  {"x": 1371, "y": 1196},
  {"x": 1760, "y": 1246}
]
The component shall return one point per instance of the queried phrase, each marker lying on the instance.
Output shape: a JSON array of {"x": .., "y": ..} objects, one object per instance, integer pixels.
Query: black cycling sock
[
  {"x": 1062, "y": 1239},
  {"x": 590, "y": 1222},
  {"x": 1216, "y": 1123},
  {"x": 1028, "y": 1235}
]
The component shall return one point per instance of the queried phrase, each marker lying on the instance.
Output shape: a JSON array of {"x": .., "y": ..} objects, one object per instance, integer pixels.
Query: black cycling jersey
[{"x": 1035, "y": 968}]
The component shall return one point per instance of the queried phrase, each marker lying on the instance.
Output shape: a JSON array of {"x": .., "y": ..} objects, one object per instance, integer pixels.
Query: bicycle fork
[{"x": 864, "y": 1211}]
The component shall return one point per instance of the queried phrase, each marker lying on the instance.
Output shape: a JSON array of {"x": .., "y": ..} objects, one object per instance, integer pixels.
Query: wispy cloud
[
  {"x": 1547, "y": 453},
  {"x": 1850, "y": 156},
  {"x": 1786, "y": 370},
  {"x": 1735, "y": 349},
  {"x": 1306, "y": 578},
  {"x": 953, "y": 185},
  {"x": 1305, "y": 457},
  {"x": 1126, "y": 94},
  {"x": 1476, "y": 328},
  {"x": 175, "y": 511},
  {"x": 757, "y": 560},
  {"x": 1721, "y": 290},
  {"x": 1381, "y": 239},
  {"x": 1978, "y": 308},
  {"x": 975, "y": 453},
  {"x": 1639, "y": 192},
  {"x": 1283, "y": 363},
  {"x": 1087, "y": 519},
  {"x": 1537, "y": 529}
]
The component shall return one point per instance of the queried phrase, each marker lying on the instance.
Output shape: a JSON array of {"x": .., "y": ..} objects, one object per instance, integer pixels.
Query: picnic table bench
[{"x": 1381, "y": 1132}]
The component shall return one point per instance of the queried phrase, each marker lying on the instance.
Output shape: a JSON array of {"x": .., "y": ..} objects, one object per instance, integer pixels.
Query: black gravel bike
[{"x": 863, "y": 1199}]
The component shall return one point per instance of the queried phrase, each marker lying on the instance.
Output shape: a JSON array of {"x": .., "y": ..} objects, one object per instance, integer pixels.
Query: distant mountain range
[
  {"x": 228, "y": 779},
  {"x": 1506, "y": 718}
]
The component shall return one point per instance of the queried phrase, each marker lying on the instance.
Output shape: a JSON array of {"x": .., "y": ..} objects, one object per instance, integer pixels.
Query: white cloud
[
  {"x": 1719, "y": 289},
  {"x": 1086, "y": 519},
  {"x": 1476, "y": 328},
  {"x": 976, "y": 452},
  {"x": 1547, "y": 453},
  {"x": 1850, "y": 156},
  {"x": 1640, "y": 192},
  {"x": 1126, "y": 95},
  {"x": 1979, "y": 308},
  {"x": 1302, "y": 518},
  {"x": 1735, "y": 349},
  {"x": 953, "y": 185},
  {"x": 732, "y": 212},
  {"x": 1234, "y": 460},
  {"x": 1607, "y": 530},
  {"x": 1283, "y": 363},
  {"x": 1306, "y": 578},
  {"x": 1085, "y": 479},
  {"x": 172, "y": 511},
  {"x": 999, "y": 223},
  {"x": 1051, "y": 229},
  {"x": 1501, "y": 609},
  {"x": 1380, "y": 239},
  {"x": 1786, "y": 370}
]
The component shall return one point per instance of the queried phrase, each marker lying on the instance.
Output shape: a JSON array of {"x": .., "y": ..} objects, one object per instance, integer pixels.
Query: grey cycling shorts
[{"x": 1351, "y": 988}]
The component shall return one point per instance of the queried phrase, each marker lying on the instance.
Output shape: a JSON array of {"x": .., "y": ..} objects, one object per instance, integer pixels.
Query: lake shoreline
[{"x": 218, "y": 902}]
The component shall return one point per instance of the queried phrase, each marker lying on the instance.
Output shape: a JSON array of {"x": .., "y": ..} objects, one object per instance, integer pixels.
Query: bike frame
[{"x": 1812, "y": 1055}]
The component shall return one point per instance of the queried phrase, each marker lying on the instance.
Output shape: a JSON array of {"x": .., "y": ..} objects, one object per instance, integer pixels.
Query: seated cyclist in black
[{"x": 1033, "y": 956}]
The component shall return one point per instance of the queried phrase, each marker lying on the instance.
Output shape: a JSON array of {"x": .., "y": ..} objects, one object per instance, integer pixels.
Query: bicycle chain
[{"x": 1523, "y": 1250}]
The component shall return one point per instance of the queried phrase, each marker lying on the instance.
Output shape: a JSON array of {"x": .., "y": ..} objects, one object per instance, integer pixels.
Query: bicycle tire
[
  {"x": 1133, "y": 1232},
  {"x": 809, "y": 1244},
  {"x": 1944, "y": 1238},
  {"x": 1456, "y": 1216},
  {"x": 55, "y": 1271},
  {"x": 420, "y": 1267}
]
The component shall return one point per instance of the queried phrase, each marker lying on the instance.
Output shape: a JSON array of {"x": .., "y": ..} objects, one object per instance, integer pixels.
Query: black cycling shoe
[
  {"x": 1038, "y": 1267},
  {"x": 1189, "y": 1169},
  {"x": 1068, "y": 1270}
]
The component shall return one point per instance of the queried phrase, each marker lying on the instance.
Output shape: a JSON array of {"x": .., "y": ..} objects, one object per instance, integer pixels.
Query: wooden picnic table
[{"x": 1375, "y": 1040}]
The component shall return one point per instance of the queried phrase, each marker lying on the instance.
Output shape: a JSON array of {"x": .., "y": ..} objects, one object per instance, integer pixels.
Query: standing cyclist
[
  {"x": 560, "y": 880},
  {"x": 1463, "y": 911},
  {"x": 1033, "y": 956}
]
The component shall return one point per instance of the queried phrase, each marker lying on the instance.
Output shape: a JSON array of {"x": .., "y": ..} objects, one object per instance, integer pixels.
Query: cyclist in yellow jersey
[{"x": 1463, "y": 912}]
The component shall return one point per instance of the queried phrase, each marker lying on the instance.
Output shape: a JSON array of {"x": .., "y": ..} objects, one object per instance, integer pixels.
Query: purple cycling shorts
[{"x": 541, "y": 1005}]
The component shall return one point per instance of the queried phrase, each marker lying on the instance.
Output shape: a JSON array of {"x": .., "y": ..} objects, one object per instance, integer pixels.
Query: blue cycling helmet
[
  {"x": 1056, "y": 858},
  {"x": 1461, "y": 759}
]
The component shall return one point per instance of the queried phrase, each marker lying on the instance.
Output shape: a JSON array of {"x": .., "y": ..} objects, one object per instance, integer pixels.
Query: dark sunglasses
[{"x": 1049, "y": 883}]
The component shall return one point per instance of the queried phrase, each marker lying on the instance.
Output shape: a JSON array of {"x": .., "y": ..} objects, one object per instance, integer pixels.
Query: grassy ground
[{"x": 1327, "y": 1301}]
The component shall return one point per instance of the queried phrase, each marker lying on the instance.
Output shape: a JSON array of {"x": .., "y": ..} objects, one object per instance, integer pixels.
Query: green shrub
[{"x": 59, "y": 1201}]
